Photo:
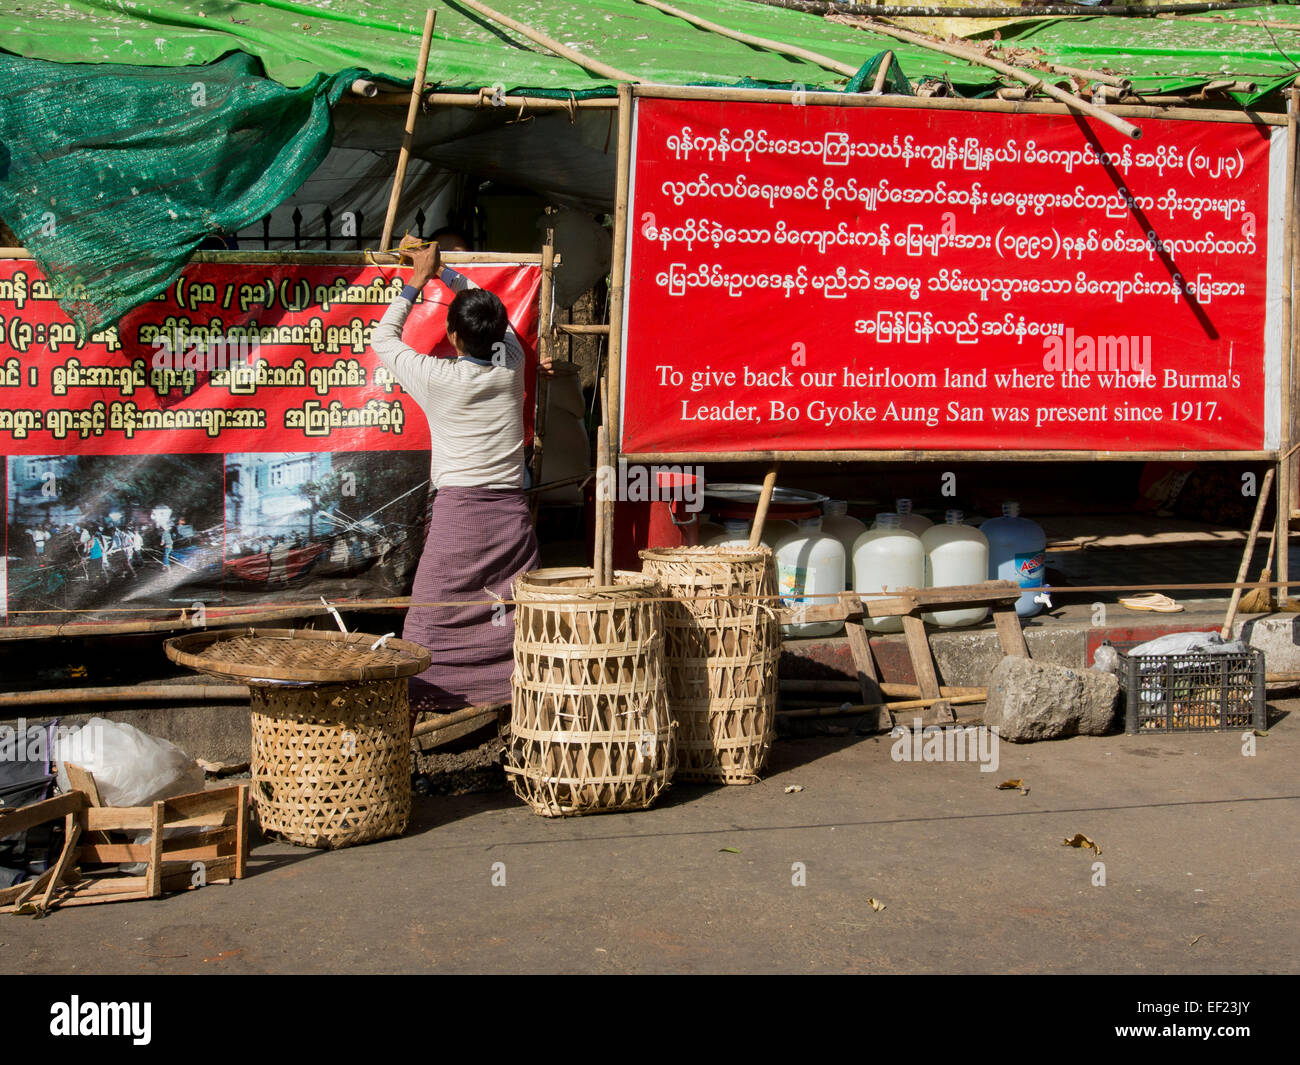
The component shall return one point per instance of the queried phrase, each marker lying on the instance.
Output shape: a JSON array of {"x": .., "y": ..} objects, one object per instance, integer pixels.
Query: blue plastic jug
[{"x": 1017, "y": 552}]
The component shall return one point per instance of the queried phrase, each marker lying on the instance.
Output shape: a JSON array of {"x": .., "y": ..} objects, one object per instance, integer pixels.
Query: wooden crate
[{"x": 218, "y": 854}]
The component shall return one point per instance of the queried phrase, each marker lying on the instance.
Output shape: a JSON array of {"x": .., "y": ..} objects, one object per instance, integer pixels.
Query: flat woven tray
[{"x": 303, "y": 655}]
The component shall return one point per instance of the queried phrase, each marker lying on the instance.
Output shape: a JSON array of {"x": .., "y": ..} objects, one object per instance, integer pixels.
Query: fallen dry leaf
[
  {"x": 729, "y": 850},
  {"x": 876, "y": 904},
  {"x": 1196, "y": 940},
  {"x": 1012, "y": 785},
  {"x": 792, "y": 788},
  {"x": 1080, "y": 840}
]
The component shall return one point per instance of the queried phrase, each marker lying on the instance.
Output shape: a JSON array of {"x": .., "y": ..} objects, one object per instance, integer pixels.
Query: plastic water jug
[
  {"x": 735, "y": 533},
  {"x": 887, "y": 556},
  {"x": 1017, "y": 552},
  {"x": 955, "y": 554},
  {"x": 836, "y": 522},
  {"x": 916, "y": 523},
  {"x": 809, "y": 561}
]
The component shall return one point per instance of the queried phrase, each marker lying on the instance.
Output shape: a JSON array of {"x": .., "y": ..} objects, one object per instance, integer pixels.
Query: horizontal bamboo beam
[
  {"x": 199, "y": 693},
  {"x": 334, "y": 257},
  {"x": 855, "y": 709},
  {"x": 485, "y": 99},
  {"x": 1021, "y": 14},
  {"x": 597, "y": 329}
]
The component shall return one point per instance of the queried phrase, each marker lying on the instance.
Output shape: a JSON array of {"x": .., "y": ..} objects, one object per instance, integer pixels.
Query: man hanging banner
[
  {"x": 233, "y": 441},
  {"x": 871, "y": 278}
]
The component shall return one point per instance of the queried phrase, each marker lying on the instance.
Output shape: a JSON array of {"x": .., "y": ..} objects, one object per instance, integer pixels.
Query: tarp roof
[{"x": 298, "y": 40}]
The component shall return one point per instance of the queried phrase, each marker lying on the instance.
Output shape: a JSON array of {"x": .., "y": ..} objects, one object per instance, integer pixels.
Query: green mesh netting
[{"x": 112, "y": 175}]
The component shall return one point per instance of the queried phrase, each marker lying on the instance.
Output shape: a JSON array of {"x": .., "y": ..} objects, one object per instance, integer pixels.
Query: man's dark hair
[{"x": 478, "y": 318}]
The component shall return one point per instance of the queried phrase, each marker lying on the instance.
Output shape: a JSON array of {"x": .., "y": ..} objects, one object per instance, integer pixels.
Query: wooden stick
[
  {"x": 601, "y": 577},
  {"x": 755, "y": 42},
  {"x": 764, "y": 501},
  {"x": 1250, "y": 550},
  {"x": 595, "y": 66},
  {"x": 905, "y": 691},
  {"x": 969, "y": 55},
  {"x": 467, "y": 713},
  {"x": 544, "y": 342},
  {"x": 481, "y": 102},
  {"x": 878, "y": 86},
  {"x": 72, "y": 834},
  {"x": 612, "y": 386},
  {"x": 412, "y": 110},
  {"x": 853, "y": 709},
  {"x": 199, "y": 693}
]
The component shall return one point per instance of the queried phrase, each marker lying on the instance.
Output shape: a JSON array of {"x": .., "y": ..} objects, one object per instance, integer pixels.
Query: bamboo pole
[
  {"x": 408, "y": 135},
  {"x": 764, "y": 501},
  {"x": 443, "y": 721},
  {"x": 595, "y": 66},
  {"x": 1020, "y": 14},
  {"x": 599, "y": 329},
  {"x": 1294, "y": 27},
  {"x": 1282, "y": 535},
  {"x": 854, "y": 709},
  {"x": 754, "y": 42},
  {"x": 1260, "y": 504},
  {"x": 158, "y": 693},
  {"x": 886, "y": 61},
  {"x": 544, "y": 337},
  {"x": 1034, "y": 81},
  {"x": 480, "y": 102},
  {"x": 604, "y": 488}
]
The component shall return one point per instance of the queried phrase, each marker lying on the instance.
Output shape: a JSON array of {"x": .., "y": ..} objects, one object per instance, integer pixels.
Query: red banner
[
  {"x": 805, "y": 278},
  {"x": 233, "y": 440}
]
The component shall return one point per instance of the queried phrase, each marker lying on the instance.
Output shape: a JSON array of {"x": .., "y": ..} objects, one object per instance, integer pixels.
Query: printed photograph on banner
[
  {"x": 93, "y": 532},
  {"x": 339, "y": 523}
]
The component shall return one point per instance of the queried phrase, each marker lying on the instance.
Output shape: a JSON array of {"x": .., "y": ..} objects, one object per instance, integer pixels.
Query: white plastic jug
[
  {"x": 836, "y": 522},
  {"x": 1017, "y": 552},
  {"x": 735, "y": 533},
  {"x": 916, "y": 523},
  {"x": 887, "y": 556},
  {"x": 809, "y": 561},
  {"x": 955, "y": 554}
]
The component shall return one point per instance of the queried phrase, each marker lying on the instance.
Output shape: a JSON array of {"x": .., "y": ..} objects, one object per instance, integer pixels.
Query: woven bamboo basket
[
  {"x": 722, "y": 646},
  {"x": 331, "y": 758},
  {"x": 590, "y": 728}
]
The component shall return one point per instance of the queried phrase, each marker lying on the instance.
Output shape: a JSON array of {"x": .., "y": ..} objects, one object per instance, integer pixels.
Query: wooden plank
[
  {"x": 184, "y": 848},
  {"x": 192, "y": 808},
  {"x": 918, "y": 646},
  {"x": 868, "y": 678},
  {"x": 14, "y": 821},
  {"x": 17, "y": 892},
  {"x": 82, "y": 780},
  {"x": 154, "y": 872},
  {"x": 72, "y": 826},
  {"x": 1010, "y": 635},
  {"x": 124, "y": 818},
  {"x": 241, "y": 833}
]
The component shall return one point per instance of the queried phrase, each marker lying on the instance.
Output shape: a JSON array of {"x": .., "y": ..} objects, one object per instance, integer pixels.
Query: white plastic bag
[{"x": 130, "y": 767}]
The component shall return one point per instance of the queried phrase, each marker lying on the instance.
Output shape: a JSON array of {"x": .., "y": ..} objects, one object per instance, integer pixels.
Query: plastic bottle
[
  {"x": 916, "y": 523},
  {"x": 836, "y": 522},
  {"x": 887, "y": 556},
  {"x": 735, "y": 533},
  {"x": 1017, "y": 552},
  {"x": 809, "y": 561},
  {"x": 955, "y": 554}
]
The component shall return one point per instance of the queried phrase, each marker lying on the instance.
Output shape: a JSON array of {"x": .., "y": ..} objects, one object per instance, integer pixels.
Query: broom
[{"x": 1260, "y": 600}]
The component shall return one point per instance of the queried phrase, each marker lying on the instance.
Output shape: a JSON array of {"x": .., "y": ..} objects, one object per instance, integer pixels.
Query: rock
[{"x": 1035, "y": 701}]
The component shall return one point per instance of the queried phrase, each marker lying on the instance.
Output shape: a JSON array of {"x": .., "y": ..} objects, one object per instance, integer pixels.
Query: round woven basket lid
[{"x": 303, "y": 655}]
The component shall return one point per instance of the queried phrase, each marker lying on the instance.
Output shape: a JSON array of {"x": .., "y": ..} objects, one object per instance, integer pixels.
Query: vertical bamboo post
[
  {"x": 1282, "y": 526},
  {"x": 412, "y": 110},
  {"x": 764, "y": 501},
  {"x": 545, "y": 336},
  {"x": 603, "y": 487},
  {"x": 613, "y": 419}
]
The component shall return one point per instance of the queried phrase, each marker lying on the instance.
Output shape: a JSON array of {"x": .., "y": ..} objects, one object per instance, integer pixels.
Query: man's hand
[
  {"x": 545, "y": 366},
  {"x": 427, "y": 261}
]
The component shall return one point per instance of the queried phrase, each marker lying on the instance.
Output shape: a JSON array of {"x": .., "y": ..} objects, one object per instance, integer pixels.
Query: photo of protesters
[
  {"x": 343, "y": 523},
  {"x": 92, "y": 532}
]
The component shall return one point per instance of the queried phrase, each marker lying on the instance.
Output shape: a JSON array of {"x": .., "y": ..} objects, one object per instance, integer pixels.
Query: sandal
[{"x": 1161, "y": 604}]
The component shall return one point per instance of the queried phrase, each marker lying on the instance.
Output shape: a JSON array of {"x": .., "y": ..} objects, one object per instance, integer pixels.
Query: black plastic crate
[{"x": 1197, "y": 692}]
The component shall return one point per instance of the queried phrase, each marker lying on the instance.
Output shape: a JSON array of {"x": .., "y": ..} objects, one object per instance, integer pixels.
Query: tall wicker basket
[
  {"x": 590, "y": 727},
  {"x": 722, "y": 649},
  {"x": 331, "y": 760}
]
